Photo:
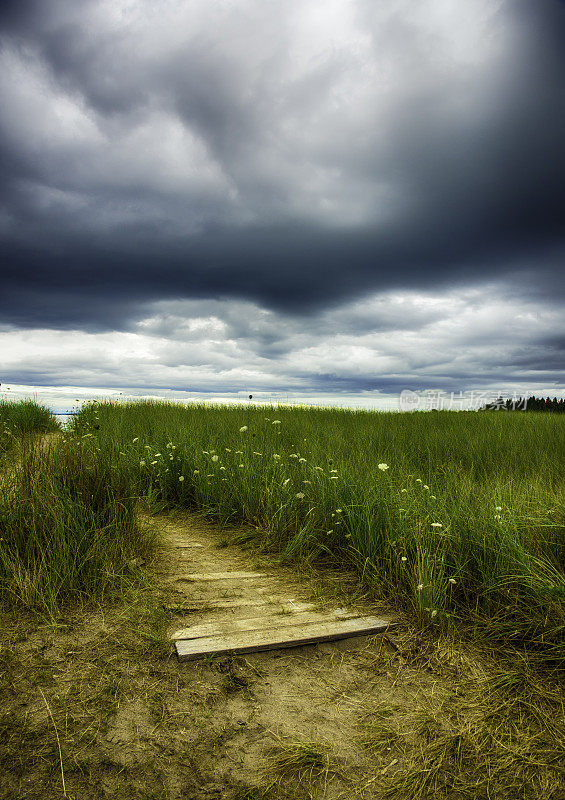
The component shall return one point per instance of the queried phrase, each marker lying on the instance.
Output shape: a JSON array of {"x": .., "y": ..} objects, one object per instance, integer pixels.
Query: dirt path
[
  {"x": 293, "y": 718},
  {"x": 97, "y": 703}
]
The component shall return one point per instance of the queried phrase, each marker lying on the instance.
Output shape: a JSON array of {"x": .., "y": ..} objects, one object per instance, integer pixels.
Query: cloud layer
[{"x": 322, "y": 169}]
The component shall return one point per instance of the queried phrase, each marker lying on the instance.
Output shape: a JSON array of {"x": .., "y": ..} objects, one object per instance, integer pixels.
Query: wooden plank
[
  {"x": 220, "y": 576},
  {"x": 237, "y": 602},
  {"x": 256, "y": 641},
  {"x": 265, "y": 622}
]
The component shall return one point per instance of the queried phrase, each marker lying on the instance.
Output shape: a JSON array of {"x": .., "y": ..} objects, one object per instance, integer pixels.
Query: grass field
[{"x": 458, "y": 517}]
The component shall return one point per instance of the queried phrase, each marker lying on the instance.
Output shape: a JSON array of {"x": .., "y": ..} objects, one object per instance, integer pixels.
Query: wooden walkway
[{"x": 225, "y": 607}]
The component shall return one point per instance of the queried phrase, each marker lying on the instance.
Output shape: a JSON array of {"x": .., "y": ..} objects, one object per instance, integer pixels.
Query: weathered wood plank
[
  {"x": 210, "y": 605},
  {"x": 274, "y": 639},
  {"x": 266, "y": 622},
  {"x": 220, "y": 576}
]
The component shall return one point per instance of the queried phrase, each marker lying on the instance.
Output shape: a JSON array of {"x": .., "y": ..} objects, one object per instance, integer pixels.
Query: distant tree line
[{"x": 557, "y": 406}]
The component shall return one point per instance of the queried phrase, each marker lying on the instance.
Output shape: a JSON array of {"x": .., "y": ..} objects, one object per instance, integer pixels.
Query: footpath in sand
[
  {"x": 293, "y": 719},
  {"x": 245, "y": 610},
  {"x": 101, "y": 699}
]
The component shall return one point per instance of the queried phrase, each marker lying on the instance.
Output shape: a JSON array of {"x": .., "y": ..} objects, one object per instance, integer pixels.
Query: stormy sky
[{"x": 320, "y": 200}]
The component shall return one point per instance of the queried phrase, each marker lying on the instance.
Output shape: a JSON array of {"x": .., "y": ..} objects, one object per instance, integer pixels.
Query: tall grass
[
  {"x": 18, "y": 418},
  {"x": 67, "y": 525},
  {"x": 458, "y": 517}
]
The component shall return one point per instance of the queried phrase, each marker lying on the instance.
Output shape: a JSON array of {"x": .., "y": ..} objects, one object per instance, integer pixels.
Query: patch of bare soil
[{"x": 99, "y": 706}]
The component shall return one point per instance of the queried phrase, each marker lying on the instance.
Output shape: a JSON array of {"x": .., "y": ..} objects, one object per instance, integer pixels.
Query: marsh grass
[
  {"x": 456, "y": 517},
  {"x": 68, "y": 531},
  {"x": 22, "y": 418}
]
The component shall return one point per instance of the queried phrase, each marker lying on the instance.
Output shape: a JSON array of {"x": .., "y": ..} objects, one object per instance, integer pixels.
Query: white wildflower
[
  {"x": 452, "y": 581},
  {"x": 243, "y": 428},
  {"x": 420, "y": 587},
  {"x": 181, "y": 478},
  {"x": 142, "y": 463},
  {"x": 426, "y": 486},
  {"x": 276, "y": 422},
  {"x": 434, "y": 613},
  {"x": 404, "y": 558},
  {"x": 302, "y": 460},
  {"x": 300, "y": 495},
  {"x": 157, "y": 455},
  {"x": 418, "y": 480},
  {"x": 276, "y": 455},
  {"x": 437, "y": 525},
  {"x": 338, "y": 511},
  {"x": 382, "y": 467},
  {"x": 215, "y": 458},
  {"x": 196, "y": 472},
  {"x": 498, "y": 508},
  {"x": 241, "y": 465},
  {"x": 153, "y": 463}
]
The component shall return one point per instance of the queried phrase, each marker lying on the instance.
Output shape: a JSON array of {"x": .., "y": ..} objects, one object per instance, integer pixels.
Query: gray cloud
[{"x": 295, "y": 159}]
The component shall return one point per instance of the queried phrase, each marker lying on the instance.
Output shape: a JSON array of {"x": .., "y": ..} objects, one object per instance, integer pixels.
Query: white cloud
[{"x": 464, "y": 339}]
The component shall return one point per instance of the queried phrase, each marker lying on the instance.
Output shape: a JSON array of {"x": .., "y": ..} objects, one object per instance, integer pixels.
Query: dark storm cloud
[{"x": 453, "y": 173}]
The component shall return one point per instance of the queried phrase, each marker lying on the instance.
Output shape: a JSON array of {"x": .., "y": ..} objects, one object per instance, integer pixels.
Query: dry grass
[{"x": 295, "y": 764}]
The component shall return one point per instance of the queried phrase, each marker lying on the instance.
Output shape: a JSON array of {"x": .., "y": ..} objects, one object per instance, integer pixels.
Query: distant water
[{"x": 64, "y": 417}]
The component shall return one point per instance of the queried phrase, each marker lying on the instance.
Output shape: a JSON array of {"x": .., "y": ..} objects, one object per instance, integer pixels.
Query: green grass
[
  {"x": 465, "y": 527},
  {"x": 68, "y": 531},
  {"x": 23, "y": 417}
]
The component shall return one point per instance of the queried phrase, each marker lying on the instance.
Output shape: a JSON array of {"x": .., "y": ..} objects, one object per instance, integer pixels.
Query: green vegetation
[
  {"x": 458, "y": 517},
  {"x": 67, "y": 519},
  {"x": 23, "y": 417}
]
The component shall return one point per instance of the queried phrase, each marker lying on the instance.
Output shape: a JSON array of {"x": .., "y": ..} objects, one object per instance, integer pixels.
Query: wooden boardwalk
[{"x": 225, "y": 607}]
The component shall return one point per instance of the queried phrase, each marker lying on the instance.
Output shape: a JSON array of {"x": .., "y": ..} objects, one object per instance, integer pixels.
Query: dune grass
[
  {"x": 456, "y": 517},
  {"x": 21, "y": 418},
  {"x": 68, "y": 531}
]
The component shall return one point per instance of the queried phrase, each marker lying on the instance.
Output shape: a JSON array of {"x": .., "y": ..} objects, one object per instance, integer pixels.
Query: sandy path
[{"x": 318, "y": 693}]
